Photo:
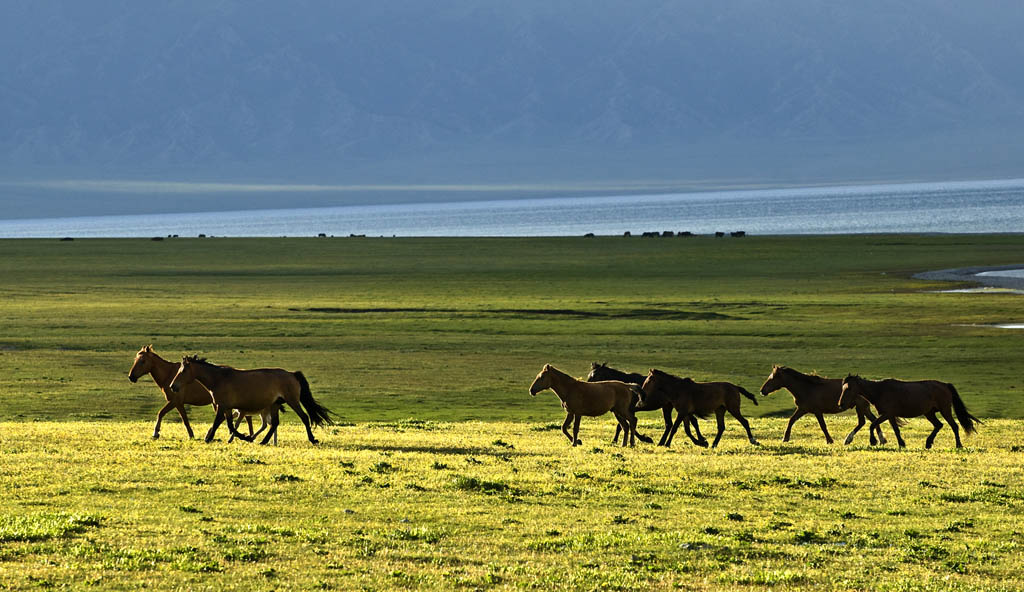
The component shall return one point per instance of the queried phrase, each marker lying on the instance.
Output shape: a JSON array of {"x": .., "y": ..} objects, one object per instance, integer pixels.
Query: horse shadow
[{"x": 449, "y": 450}]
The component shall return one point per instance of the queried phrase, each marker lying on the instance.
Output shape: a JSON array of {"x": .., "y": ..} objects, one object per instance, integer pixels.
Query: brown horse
[
  {"x": 817, "y": 395},
  {"x": 896, "y": 398},
  {"x": 581, "y": 398},
  {"x": 252, "y": 391},
  {"x": 148, "y": 362},
  {"x": 699, "y": 398}
]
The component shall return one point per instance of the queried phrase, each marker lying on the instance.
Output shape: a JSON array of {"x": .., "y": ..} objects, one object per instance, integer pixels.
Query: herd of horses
[
  {"x": 235, "y": 394},
  {"x": 607, "y": 389},
  {"x": 240, "y": 394}
]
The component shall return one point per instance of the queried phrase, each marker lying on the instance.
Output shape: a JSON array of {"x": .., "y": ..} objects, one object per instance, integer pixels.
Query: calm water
[{"x": 982, "y": 206}]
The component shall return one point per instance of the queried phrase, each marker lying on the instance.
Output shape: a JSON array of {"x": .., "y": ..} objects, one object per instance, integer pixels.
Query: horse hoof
[
  {"x": 156, "y": 436},
  {"x": 756, "y": 443},
  {"x": 702, "y": 444}
]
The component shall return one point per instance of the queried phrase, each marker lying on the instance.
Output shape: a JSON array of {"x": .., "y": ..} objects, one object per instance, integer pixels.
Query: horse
[
  {"x": 699, "y": 398},
  {"x": 581, "y": 398},
  {"x": 895, "y": 399},
  {"x": 268, "y": 417},
  {"x": 148, "y": 362},
  {"x": 817, "y": 395},
  {"x": 605, "y": 372},
  {"x": 252, "y": 391}
]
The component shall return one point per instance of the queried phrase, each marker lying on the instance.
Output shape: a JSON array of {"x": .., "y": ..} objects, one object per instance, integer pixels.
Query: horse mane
[
  {"x": 196, "y": 358},
  {"x": 810, "y": 377},
  {"x": 628, "y": 377},
  {"x": 664, "y": 374}
]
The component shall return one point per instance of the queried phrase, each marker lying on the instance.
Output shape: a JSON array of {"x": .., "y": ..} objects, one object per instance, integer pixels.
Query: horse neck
[
  {"x": 613, "y": 374},
  {"x": 208, "y": 375},
  {"x": 795, "y": 377},
  {"x": 560, "y": 382},
  {"x": 869, "y": 389},
  {"x": 162, "y": 371}
]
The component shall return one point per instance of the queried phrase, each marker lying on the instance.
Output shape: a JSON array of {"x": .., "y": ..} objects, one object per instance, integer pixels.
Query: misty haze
[{"x": 390, "y": 102}]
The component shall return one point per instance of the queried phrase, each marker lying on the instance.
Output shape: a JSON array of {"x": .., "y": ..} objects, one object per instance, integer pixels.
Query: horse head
[
  {"x": 142, "y": 365},
  {"x": 774, "y": 381},
  {"x": 542, "y": 381},
  {"x": 186, "y": 373},
  {"x": 853, "y": 387}
]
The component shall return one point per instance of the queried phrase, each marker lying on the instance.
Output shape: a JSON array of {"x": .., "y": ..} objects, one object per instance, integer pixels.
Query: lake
[{"x": 969, "y": 206}]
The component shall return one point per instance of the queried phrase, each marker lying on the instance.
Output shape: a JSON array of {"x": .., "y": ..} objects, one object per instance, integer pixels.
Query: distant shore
[{"x": 973, "y": 274}]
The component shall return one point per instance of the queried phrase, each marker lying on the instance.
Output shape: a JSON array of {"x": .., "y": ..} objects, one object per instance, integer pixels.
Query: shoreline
[{"x": 971, "y": 275}]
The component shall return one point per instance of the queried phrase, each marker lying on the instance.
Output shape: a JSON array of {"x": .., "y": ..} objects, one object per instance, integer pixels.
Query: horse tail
[
  {"x": 318, "y": 414},
  {"x": 966, "y": 419},
  {"x": 747, "y": 394}
]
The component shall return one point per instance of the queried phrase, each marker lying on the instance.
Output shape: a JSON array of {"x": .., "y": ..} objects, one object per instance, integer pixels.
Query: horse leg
[
  {"x": 624, "y": 424},
  {"x": 618, "y": 429},
  {"x": 184, "y": 419},
  {"x": 234, "y": 428},
  {"x": 565, "y": 426},
  {"x": 821, "y": 422},
  {"x": 159, "y": 417},
  {"x": 248, "y": 420},
  {"x": 666, "y": 412},
  {"x": 680, "y": 418},
  {"x": 948, "y": 415},
  {"x": 701, "y": 440},
  {"x": 217, "y": 419},
  {"x": 860, "y": 424},
  {"x": 720, "y": 418},
  {"x": 746, "y": 426},
  {"x": 894, "y": 422},
  {"x": 274, "y": 420},
  {"x": 685, "y": 419},
  {"x": 937, "y": 426},
  {"x": 231, "y": 438},
  {"x": 792, "y": 420},
  {"x": 878, "y": 428},
  {"x": 576, "y": 430},
  {"x": 305, "y": 421}
]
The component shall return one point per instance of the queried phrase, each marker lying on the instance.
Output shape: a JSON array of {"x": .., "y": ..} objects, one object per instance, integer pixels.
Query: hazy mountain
[{"x": 522, "y": 91}]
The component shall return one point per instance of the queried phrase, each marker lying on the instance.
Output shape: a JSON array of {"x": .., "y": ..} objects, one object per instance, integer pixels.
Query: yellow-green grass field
[
  {"x": 507, "y": 505},
  {"x": 444, "y": 473}
]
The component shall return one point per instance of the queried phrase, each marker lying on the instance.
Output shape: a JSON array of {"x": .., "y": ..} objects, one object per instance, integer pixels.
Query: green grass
[
  {"x": 452, "y": 329},
  {"x": 445, "y": 473}
]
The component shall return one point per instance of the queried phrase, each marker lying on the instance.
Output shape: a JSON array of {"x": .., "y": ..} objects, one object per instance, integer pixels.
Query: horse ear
[{"x": 148, "y": 348}]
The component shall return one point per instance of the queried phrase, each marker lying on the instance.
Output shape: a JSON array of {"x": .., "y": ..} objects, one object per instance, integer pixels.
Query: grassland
[{"x": 445, "y": 472}]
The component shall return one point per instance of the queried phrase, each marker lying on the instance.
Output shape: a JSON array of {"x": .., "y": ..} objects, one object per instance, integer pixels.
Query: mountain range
[{"x": 687, "y": 93}]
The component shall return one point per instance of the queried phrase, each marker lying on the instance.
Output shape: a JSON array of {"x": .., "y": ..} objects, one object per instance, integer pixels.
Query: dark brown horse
[
  {"x": 581, "y": 398},
  {"x": 895, "y": 399},
  {"x": 699, "y": 398},
  {"x": 654, "y": 402},
  {"x": 817, "y": 395},
  {"x": 252, "y": 391},
  {"x": 148, "y": 362}
]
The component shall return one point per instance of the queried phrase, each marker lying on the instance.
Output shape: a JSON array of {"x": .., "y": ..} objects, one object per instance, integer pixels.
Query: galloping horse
[
  {"x": 581, "y": 398},
  {"x": 654, "y": 402},
  {"x": 252, "y": 391},
  {"x": 699, "y": 398},
  {"x": 148, "y": 362},
  {"x": 817, "y": 395},
  {"x": 896, "y": 398}
]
